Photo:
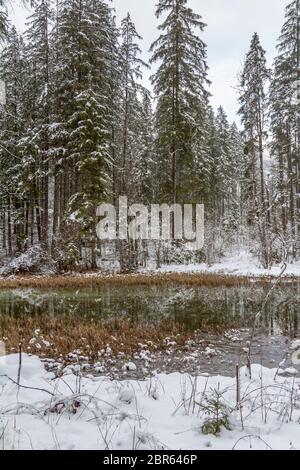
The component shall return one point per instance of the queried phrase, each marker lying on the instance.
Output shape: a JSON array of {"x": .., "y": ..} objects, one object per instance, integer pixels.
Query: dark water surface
[{"x": 196, "y": 308}]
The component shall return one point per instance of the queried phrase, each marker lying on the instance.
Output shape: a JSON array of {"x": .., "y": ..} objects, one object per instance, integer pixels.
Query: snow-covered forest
[
  {"x": 150, "y": 343},
  {"x": 78, "y": 127}
]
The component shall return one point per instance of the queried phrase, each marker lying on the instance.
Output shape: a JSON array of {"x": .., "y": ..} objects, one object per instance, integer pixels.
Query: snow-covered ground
[
  {"x": 164, "y": 412},
  {"x": 242, "y": 264}
]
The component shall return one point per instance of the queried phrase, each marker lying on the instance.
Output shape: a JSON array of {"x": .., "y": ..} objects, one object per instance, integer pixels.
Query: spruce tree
[
  {"x": 180, "y": 90},
  {"x": 82, "y": 134},
  {"x": 253, "y": 81},
  {"x": 36, "y": 144},
  {"x": 12, "y": 130},
  {"x": 3, "y": 19},
  {"x": 145, "y": 157},
  {"x": 131, "y": 110},
  {"x": 285, "y": 125},
  {"x": 129, "y": 135}
]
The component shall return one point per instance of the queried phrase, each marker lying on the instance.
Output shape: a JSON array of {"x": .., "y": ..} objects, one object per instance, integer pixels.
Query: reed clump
[
  {"x": 55, "y": 337},
  {"x": 151, "y": 279}
]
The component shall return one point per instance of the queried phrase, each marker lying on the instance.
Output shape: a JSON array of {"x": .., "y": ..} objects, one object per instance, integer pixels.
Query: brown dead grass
[
  {"x": 68, "y": 333},
  {"x": 85, "y": 281}
]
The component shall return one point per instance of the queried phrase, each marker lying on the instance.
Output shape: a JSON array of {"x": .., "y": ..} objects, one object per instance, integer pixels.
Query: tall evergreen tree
[
  {"x": 253, "y": 82},
  {"x": 12, "y": 129},
  {"x": 3, "y": 19},
  {"x": 285, "y": 124},
  {"x": 131, "y": 110},
  {"x": 82, "y": 133},
  {"x": 145, "y": 157},
  {"x": 180, "y": 89},
  {"x": 36, "y": 144}
]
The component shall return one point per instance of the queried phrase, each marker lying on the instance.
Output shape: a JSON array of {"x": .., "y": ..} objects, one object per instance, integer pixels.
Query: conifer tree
[
  {"x": 82, "y": 79},
  {"x": 11, "y": 131},
  {"x": 285, "y": 124},
  {"x": 131, "y": 110},
  {"x": 145, "y": 157},
  {"x": 36, "y": 144},
  {"x": 3, "y": 19},
  {"x": 253, "y": 82},
  {"x": 180, "y": 90}
]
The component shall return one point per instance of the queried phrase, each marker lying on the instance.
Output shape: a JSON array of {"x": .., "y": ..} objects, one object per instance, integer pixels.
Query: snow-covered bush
[
  {"x": 34, "y": 261},
  {"x": 179, "y": 253},
  {"x": 67, "y": 256}
]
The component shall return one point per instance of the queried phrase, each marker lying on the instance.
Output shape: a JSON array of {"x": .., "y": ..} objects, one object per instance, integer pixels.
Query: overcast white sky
[{"x": 231, "y": 24}]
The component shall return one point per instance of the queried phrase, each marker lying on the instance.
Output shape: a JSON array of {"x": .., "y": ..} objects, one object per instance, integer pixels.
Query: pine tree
[
  {"x": 180, "y": 89},
  {"x": 131, "y": 110},
  {"x": 129, "y": 130},
  {"x": 253, "y": 82},
  {"x": 4, "y": 24},
  {"x": 222, "y": 156},
  {"x": 204, "y": 150},
  {"x": 145, "y": 157},
  {"x": 221, "y": 175},
  {"x": 285, "y": 124},
  {"x": 36, "y": 144},
  {"x": 3, "y": 19},
  {"x": 115, "y": 61},
  {"x": 12, "y": 130},
  {"x": 236, "y": 212},
  {"x": 82, "y": 133}
]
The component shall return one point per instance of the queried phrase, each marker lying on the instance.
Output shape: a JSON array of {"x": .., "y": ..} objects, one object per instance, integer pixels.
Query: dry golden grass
[
  {"x": 68, "y": 333},
  {"x": 82, "y": 281}
]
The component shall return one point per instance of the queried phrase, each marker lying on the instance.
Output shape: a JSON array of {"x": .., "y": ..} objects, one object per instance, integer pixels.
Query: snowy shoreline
[
  {"x": 173, "y": 411},
  {"x": 242, "y": 264},
  {"x": 196, "y": 275}
]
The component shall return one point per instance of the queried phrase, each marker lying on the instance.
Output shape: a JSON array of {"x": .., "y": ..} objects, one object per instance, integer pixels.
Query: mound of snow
[{"x": 34, "y": 261}]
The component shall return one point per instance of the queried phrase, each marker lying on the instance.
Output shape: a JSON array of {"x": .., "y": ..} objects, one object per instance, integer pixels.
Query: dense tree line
[
  {"x": 77, "y": 128},
  {"x": 271, "y": 124}
]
